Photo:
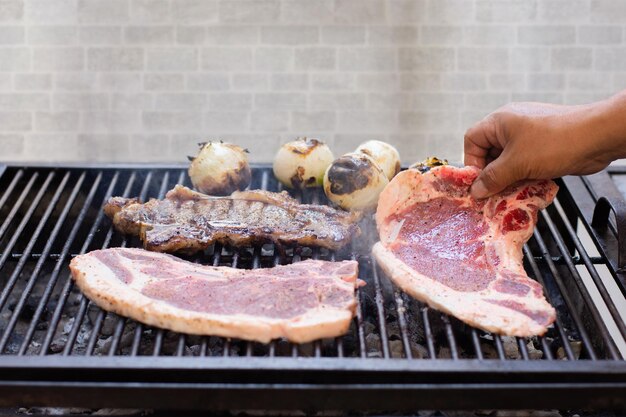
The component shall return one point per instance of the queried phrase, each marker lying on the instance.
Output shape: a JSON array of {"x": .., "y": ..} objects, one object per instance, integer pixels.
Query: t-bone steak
[
  {"x": 464, "y": 256},
  {"x": 302, "y": 302}
]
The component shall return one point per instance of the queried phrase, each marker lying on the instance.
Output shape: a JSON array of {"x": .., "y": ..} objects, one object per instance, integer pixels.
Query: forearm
[{"x": 608, "y": 125}]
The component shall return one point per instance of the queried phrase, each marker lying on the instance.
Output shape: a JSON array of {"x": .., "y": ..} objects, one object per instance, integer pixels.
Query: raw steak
[
  {"x": 187, "y": 221},
  {"x": 464, "y": 256},
  {"x": 304, "y": 301}
]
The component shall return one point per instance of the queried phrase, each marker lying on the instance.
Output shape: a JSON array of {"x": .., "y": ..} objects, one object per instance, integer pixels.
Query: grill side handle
[{"x": 600, "y": 220}]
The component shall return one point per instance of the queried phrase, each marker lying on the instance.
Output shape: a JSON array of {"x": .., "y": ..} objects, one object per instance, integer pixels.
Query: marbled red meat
[
  {"x": 304, "y": 301},
  {"x": 461, "y": 255}
]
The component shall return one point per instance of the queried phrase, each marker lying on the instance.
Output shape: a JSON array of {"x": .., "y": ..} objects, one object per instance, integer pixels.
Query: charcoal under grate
[{"x": 56, "y": 344}]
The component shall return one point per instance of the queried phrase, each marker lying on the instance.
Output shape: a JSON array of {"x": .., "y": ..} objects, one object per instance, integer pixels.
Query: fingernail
[{"x": 478, "y": 190}]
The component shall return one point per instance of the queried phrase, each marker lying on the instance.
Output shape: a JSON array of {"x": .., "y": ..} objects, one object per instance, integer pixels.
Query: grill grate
[{"x": 49, "y": 215}]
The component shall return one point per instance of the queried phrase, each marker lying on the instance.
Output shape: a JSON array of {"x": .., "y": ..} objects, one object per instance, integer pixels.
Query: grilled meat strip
[
  {"x": 304, "y": 301},
  {"x": 187, "y": 221}
]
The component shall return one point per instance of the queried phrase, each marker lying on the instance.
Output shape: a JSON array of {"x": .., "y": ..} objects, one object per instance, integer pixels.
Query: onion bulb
[
  {"x": 220, "y": 168},
  {"x": 385, "y": 155},
  {"x": 354, "y": 182},
  {"x": 302, "y": 163}
]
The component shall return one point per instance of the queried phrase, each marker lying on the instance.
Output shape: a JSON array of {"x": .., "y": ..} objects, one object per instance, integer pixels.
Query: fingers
[
  {"x": 479, "y": 141},
  {"x": 496, "y": 176}
]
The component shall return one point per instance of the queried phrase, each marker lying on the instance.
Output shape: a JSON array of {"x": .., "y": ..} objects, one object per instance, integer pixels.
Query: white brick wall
[{"x": 144, "y": 80}]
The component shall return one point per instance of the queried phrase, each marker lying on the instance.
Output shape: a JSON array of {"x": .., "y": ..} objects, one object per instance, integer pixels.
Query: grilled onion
[
  {"x": 354, "y": 181},
  {"x": 220, "y": 168},
  {"x": 302, "y": 163},
  {"x": 385, "y": 155}
]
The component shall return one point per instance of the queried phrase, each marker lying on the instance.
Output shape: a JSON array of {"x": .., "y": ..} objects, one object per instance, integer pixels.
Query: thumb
[{"x": 495, "y": 177}]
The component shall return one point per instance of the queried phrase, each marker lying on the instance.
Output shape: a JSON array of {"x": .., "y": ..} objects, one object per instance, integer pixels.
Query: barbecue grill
[{"x": 58, "y": 349}]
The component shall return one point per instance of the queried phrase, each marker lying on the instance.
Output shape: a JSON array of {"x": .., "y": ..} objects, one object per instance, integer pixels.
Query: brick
[
  {"x": 483, "y": 59},
  {"x": 563, "y": 11},
  {"x": 546, "y": 82},
  {"x": 52, "y": 147},
  {"x": 546, "y": 35},
  {"x": 194, "y": 11},
  {"x": 172, "y": 121},
  {"x": 163, "y": 82},
  {"x": 52, "y": 35},
  {"x": 490, "y": 35},
  {"x": 619, "y": 81},
  {"x": 375, "y": 82},
  {"x": 429, "y": 121},
  {"x": 544, "y": 97},
  {"x": 132, "y": 101},
  {"x": 180, "y": 101},
  {"x": 12, "y": 146},
  {"x": 289, "y": 82},
  {"x": 312, "y": 121},
  {"x": 343, "y": 35},
  {"x": 56, "y": 121},
  {"x": 571, "y": 58},
  {"x": 250, "y": 81},
  {"x": 6, "y": 82},
  {"x": 232, "y": 121},
  {"x": 51, "y": 11},
  {"x": 530, "y": 59},
  {"x": 588, "y": 81},
  {"x": 150, "y": 11},
  {"x": 507, "y": 81},
  {"x": 337, "y": 101},
  {"x": 389, "y": 101},
  {"x": 486, "y": 100},
  {"x": 420, "y": 82},
  {"x": 115, "y": 59},
  {"x": 249, "y": 11},
  {"x": 290, "y": 35},
  {"x": 75, "y": 81},
  {"x": 308, "y": 12},
  {"x": 426, "y": 59},
  {"x": 155, "y": 147},
  {"x": 230, "y": 101},
  {"x": 191, "y": 35},
  {"x": 273, "y": 59},
  {"x": 58, "y": 59},
  {"x": 110, "y": 121},
  {"x": 14, "y": 59},
  {"x": 584, "y": 98},
  {"x": 315, "y": 58},
  {"x": 610, "y": 59},
  {"x": 11, "y": 10},
  {"x": 506, "y": 10},
  {"x": 436, "y": 101},
  {"x": 367, "y": 59},
  {"x": 156, "y": 35},
  {"x": 104, "y": 147},
  {"x": 280, "y": 101},
  {"x": 24, "y": 101},
  {"x": 450, "y": 11},
  {"x": 33, "y": 82},
  {"x": 270, "y": 121},
  {"x": 119, "y": 81},
  {"x": 360, "y": 11},
  {"x": 604, "y": 11},
  {"x": 80, "y": 101},
  {"x": 406, "y": 11},
  {"x": 98, "y": 35},
  {"x": 464, "y": 81},
  {"x": 207, "y": 82},
  {"x": 15, "y": 121},
  {"x": 171, "y": 59},
  {"x": 103, "y": 11},
  {"x": 600, "y": 35},
  {"x": 332, "y": 81},
  {"x": 398, "y": 35},
  {"x": 366, "y": 121},
  {"x": 441, "y": 35},
  {"x": 226, "y": 59},
  {"x": 11, "y": 35},
  {"x": 232, "y": 35}
]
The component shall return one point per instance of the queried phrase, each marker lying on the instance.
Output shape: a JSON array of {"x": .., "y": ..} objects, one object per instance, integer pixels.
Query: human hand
[{"x": 539, "y": 141}]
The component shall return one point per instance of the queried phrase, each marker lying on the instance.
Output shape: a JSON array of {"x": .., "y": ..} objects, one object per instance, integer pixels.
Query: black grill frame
[{"x": 316, "y": 382}]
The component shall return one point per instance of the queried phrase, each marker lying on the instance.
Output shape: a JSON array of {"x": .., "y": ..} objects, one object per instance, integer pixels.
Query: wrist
[{"x": 607, "y": 119}]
